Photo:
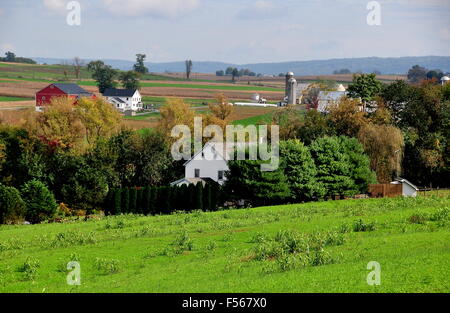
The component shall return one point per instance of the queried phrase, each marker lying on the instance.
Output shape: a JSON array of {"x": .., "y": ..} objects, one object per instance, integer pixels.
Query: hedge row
[{"x": 162, "y": 200}]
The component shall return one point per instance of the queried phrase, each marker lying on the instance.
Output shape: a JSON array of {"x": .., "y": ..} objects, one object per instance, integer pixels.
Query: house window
[
  {"x": 220, "y": 175},
  {"x": 197, "y": 173}
]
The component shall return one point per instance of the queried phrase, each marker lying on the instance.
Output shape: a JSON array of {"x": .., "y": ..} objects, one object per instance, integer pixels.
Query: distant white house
[
  {"x": 408, "y": 189},
  {"x": 209, "y": 163},
  {"x": 124, "y": 99}
]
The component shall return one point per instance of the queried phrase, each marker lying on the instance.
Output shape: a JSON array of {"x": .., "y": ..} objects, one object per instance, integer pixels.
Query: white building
[
  {"x": 209, "y": 163},
  {"x": 408, "y": 189},
  {"x": 124, "y": 99},
  {"x": 328, "y": 98}
]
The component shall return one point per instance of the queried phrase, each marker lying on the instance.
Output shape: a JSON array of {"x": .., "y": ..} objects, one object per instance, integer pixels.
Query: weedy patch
[
  {"x": 290, "y": 250},
  {"x": 30, "y": 268},
  {"x": 181, "y": 244},
  {"x": 11, "y": 244},
  {"x": 71, "y": 238},
  {"x": 361, "y": 226},
  {"x": 417, "y": 218},
  {"x": 211, "y": 246},
  {"x": 107, "y": 266},
  {"x": 441, "y": 216}
]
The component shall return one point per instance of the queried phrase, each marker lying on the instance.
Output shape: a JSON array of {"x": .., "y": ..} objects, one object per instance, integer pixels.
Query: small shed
[{"x": 408, "y": 189}]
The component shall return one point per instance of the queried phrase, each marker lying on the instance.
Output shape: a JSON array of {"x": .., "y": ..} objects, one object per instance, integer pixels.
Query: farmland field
[
  {"x": 312, "y": 247},
  {"x": 8, "y": 99}
]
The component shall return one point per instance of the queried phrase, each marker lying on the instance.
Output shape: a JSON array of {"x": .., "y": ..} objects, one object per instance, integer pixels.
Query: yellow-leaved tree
[
  {"x": 59, "y": 126},
  {"x": 175, "y": 112},
  {"x": 99, "y": 117}
]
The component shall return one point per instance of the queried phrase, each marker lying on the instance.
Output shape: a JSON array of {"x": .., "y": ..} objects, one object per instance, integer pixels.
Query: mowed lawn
[{"x": 218, "y": 251}]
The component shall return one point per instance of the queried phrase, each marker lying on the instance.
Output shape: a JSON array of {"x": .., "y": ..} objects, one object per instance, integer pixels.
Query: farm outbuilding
[
  {"x": 408, "y": 189},
  {"x": 45, "y": 96}
]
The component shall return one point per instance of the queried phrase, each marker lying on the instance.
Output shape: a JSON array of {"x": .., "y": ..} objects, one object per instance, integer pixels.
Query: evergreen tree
[
  {"x": 153, "y": 199},
  {"x": 117, "y": 201},
  {"x": 207, "y": 204},
  {"x": 191, "y": 198},
  {"x": 146, "y": 198},
  {"x": 125, "y": 200},
  {"x": 40, "y": 203},
  {"x": 300, "y": 171},
  {"x": 139, "y": 201},
  {"x": 198, "y": 200},
  {"x": 12, "y": 206},
  {"x": 133, "y": 200},
  {"x": 333, "y": 167}
]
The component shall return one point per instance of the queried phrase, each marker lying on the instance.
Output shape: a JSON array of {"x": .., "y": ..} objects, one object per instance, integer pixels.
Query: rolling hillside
[
  {"x": 313, "y": 67},
  {"x": 312, "y": 247}
]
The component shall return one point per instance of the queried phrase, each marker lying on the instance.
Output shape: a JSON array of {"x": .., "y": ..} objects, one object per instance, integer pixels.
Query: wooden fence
[{"x": 385, "y": 190}]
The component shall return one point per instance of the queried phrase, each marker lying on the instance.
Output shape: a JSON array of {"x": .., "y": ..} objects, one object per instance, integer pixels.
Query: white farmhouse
[
  {"x": 208, "y": 164},
  {"x": 124, "y": 99},
  {"x": 408, "y": 189}
]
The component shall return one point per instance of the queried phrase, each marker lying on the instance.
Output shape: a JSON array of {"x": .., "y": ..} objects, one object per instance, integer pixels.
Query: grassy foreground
[{"x": 312, "y": 247}]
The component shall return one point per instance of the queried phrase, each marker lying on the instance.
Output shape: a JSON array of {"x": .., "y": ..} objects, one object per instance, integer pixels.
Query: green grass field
[
  {"x": 7, "y": 99},
  {"x": 312, "y": 247},
  {"x": 255, "y": 120}
]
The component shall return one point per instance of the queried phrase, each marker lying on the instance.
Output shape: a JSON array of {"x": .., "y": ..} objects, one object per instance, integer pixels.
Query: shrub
[
  {"x": 40, "y": 204},
  {"x": 12, "y": 206}
]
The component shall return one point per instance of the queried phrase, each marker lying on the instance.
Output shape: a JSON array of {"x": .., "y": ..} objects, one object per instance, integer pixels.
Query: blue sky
[{"x": 235, "y": 31}]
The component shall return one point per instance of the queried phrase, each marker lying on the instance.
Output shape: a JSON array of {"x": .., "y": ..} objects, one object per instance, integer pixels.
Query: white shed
[{"x": 408, "y": 189}]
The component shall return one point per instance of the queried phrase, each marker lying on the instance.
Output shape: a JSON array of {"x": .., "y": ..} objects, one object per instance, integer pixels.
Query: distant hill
[{"x": 315, "y": 67}]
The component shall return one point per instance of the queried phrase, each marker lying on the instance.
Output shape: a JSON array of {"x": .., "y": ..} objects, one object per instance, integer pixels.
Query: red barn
[{"x": 45, "y": 96}]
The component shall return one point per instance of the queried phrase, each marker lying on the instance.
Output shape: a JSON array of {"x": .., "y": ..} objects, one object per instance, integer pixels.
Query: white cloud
[
  {"x": 6, "y": 47},
  {"x": 58, "y": 6},
  {"x": 445, "y": 33},
  {"x": 157, "y": 8},
  {"x": 261, "y": 9}
]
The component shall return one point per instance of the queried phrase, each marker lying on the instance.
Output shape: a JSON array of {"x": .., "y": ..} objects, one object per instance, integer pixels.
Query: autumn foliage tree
[
  {"x": 384, "y": 144},
  {"x": 346, "y": 117},
  {"x": 175, "y": 112},
  {"x": 99, "y": 118},
  {"x": 221, "y": 111},
  {"x": 59, "y": 126}
]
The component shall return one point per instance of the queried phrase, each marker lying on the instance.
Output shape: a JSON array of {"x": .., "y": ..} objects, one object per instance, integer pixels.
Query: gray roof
[
  {"x": 402, "y": 180},
  {"x": 72, "y": 89},
  {"x": 113, "y": 92}
]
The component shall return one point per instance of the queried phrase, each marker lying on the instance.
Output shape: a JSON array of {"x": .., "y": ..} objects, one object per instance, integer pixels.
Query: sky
[{"x": 233, "y": 31}]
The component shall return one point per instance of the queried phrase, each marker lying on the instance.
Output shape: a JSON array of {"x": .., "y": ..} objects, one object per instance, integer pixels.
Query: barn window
[
  {"x": 220, "y": 175},
  {"x": 43, "y": 97},
  {"x": 197, "y": 172}
]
